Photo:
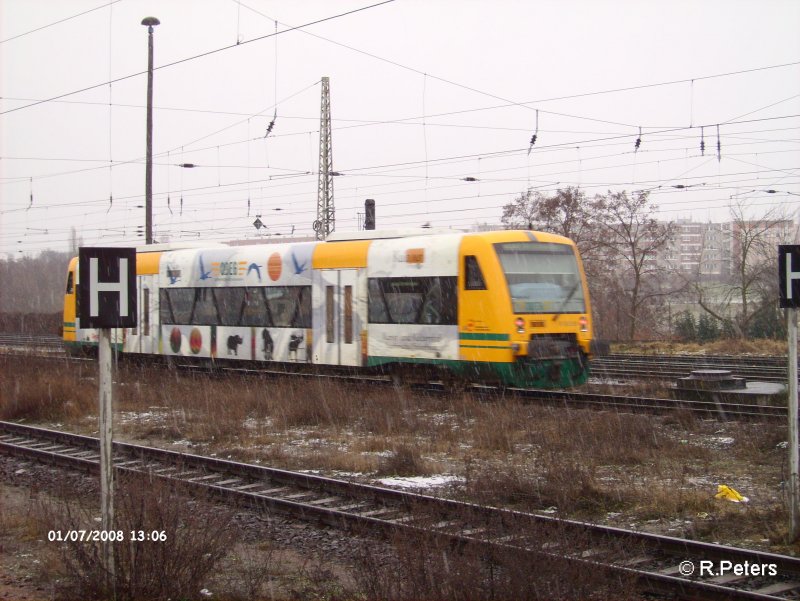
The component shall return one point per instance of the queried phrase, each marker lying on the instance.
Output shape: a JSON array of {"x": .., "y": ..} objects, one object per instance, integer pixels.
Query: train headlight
[
  {"x": 520, "y": 323},
  {"x": 515, "y": 347},
  {"x": 584, "y": 323}
]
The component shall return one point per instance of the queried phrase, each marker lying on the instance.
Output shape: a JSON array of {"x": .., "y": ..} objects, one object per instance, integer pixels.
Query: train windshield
[{"x": 542, "y": 277}]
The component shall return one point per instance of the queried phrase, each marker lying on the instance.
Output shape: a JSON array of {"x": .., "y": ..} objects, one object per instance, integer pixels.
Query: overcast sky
[{"x": 423, "y": 93}]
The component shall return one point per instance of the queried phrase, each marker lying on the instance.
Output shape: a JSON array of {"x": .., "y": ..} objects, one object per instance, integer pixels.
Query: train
[{"x": 507, "y": 307}]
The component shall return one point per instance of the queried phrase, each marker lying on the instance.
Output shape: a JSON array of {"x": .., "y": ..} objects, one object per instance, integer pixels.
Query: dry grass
[
  {"x": 422, "y": 568},
  {"x": 403, "y": 460},
  {"x": 733, "y": 346},
  {"x": 196, "y": 536},
  {"x": 585, "y": 463},
  {"x": 42, "y": 389}
]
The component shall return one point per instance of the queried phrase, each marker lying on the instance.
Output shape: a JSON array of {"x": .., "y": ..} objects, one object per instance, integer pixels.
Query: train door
[
  {"x": 144, "y": 337},
  {"x": 148, "y": 314},
  {"x": 337, "y": 322}
]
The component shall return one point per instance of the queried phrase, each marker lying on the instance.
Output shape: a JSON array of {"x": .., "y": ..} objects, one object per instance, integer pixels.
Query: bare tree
[
  {"x": 33, "y": 285},
  {"x": 522, "y": 212},
  {"x": 567, "y": 212},
  {"x": 751, "y": 285},
  {"x": 631, "y": 238}
]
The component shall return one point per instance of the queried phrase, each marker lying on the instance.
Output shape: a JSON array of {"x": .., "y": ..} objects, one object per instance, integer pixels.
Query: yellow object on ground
[{"x": 729, "y": 494}]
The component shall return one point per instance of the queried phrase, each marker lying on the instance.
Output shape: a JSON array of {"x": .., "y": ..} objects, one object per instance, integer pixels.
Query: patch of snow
[
  {"x": 420, "y": 481},
  {"x": 723, "y": 440}
]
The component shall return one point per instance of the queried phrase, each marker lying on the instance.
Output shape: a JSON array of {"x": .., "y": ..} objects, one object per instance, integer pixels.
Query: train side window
[
  {"x": 145, "y": 312},
  {"x": 204, "y": 311},
  {"x": 329, "y": 313},
  {"x": 429, "y": 301},
  {"x": 254, "y": 308},
  {"x": 230, "y": 302},
  {"x": 302, "y": 318},
  {"x": 441, "y": 302},
  {"x": 70, "y": 282},
  {"x": 376, "y": 303},
  {"x": 176, "y": 305},
  {"x": 164, "y": 307},
  {"x": 348, "y": 315},
  {"x": 473, "y": 277},
  {"x": 449, "y": 291},
  {"x": 284, "y": 305}
]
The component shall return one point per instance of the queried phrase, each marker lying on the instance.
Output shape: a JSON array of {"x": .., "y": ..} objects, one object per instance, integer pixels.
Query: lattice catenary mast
[{"x": 326, "y": 218}]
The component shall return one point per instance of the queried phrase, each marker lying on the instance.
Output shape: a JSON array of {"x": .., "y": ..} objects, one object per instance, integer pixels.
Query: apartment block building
[{"x": 711, "y": 249}]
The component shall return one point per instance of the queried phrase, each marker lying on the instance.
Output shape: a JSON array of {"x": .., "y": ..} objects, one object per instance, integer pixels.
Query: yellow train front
[
  {"x": 506, "y": 306},
  {"x": 524, "y": 312}
]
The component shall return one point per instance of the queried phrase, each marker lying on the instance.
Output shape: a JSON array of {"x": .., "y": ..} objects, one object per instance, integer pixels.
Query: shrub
[{"x": 197, "y": 535}]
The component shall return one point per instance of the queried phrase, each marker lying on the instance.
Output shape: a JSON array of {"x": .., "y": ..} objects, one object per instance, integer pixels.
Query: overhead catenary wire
[
  {"x": 462, "y": 159},
  {"x": 478, "y": 156},
  {"x": 64, "y": 20},
  {"x": 195, "y": 57}
]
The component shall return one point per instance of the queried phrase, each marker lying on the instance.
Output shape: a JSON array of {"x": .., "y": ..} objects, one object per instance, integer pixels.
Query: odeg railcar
[{"x": 507, "y": 307}]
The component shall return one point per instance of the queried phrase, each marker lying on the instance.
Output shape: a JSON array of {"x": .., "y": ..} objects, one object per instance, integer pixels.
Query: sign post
[
  {"x": 106, "y": 299},
  {"x": 789, "y": 278}
]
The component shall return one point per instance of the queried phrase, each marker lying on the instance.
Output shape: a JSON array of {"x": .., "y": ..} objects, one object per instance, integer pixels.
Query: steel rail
[
  {"x": 724, "y": 410},
  {"x": 651, "y": 559},
  {"x": 572, "y": 399},
  {"x": 670, "y": 367}
]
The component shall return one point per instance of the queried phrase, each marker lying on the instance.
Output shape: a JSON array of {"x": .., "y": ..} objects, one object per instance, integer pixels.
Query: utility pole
[
  {"x": 107, "y": 300},
  {"x": 789, "y": 299},
  {"x": 326, "y": 217},
  {"x": 148, "y": 177},
  {"x": 794, "y": 452}
]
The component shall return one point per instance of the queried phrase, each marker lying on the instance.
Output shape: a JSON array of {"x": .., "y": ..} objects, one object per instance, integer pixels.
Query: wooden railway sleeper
[
  {"x": 51, "y": 448},
  {"x": 778, "y": 588},
  {"x": 39, "y": 446},
  {"x": 183, "y": 475},
  {"x": 249, "y": 487},
  {"x": 352, "y": 506},
  {"x": 227, "y": 482},
  {"x": 325, "y": 501},
  {"x": 299, "y": 495},
  {"x": 727, "y": 579},
  {"x": 205, "y": 478},
  {"x": 377, "y": 512},
  {"x": 273, "y": 491}
]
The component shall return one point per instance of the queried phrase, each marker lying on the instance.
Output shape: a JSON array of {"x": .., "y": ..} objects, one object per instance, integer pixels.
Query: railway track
[
  {"x": 31, "y": 343},
  {"x": 671, "y": 367},
  {"x": 665, "y": 367},
  {"x": 571, "y": 399},
  {"x": 657, "y": 563},
  {"x": 723, "y": 410}
]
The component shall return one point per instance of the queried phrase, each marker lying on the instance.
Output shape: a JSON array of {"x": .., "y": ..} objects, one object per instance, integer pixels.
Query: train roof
[
  {"x": 153, "y": 248},
  {"x": 387, "y": 234}
]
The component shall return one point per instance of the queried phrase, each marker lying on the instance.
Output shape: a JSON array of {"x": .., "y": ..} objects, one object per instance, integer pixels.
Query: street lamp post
[{"x": 148, "y": 178}]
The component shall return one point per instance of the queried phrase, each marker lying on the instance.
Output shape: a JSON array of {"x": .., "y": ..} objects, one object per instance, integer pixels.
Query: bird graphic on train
[{"x": 269, "y": 346}]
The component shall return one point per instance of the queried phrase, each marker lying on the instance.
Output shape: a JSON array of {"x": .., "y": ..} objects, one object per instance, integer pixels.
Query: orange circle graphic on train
[
  {"x": 274, "y": 267},
  {"x": 175, "y": 340},
  {"x": 196, "y": 341}
]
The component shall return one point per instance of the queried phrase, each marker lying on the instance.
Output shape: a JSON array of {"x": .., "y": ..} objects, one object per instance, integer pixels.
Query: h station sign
[
  {"x": 107, "y": 290},
  {"x": 789, "y": 275},
  {"x": 789, "y": 296}
]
